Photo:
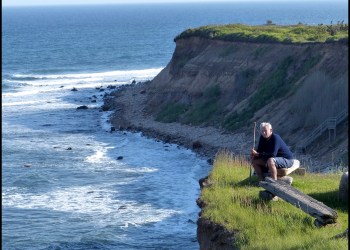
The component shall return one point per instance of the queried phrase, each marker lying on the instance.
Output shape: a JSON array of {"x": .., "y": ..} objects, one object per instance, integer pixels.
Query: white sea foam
[
  {"x": 19, "y": 103},
  {"x": 98, "y": 76},
  {"x": 140, "y": 170},
  {"x": 46, "y": 87},
  {"x": 99, "y": 204},
  {"x": 100, "y": 155},
  {"x": 105, "y": 124},
  {"x": 22, "y": 93},
  {"x": 97, "y": 157}
]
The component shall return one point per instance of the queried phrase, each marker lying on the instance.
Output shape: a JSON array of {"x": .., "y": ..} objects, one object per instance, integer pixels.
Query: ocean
[{"x": 68, "y": 182}]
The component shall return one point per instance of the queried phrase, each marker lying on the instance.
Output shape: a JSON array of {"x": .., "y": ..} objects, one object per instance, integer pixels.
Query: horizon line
[{"x": 165, "y": 2}]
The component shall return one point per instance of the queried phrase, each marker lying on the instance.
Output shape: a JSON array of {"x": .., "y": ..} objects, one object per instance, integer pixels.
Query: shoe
[{"x": 275, "y": 198}]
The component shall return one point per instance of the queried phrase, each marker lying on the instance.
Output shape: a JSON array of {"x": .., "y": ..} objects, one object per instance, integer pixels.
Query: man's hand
[{"x": 254, "y": 154}]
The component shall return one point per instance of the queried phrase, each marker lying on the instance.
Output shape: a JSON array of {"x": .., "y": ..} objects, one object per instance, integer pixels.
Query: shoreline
[{"x": 128, "y": 103}]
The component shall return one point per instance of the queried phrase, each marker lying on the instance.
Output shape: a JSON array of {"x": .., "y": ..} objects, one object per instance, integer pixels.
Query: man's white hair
[{"x": 265, "y": 124}]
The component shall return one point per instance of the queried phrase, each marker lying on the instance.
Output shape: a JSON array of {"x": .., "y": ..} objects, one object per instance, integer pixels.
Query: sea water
[{"x": 68, "y": 182}]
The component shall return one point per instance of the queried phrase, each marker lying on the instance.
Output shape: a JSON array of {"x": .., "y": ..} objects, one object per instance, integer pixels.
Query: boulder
[
  {"x": 344, "y": 188},
  {"x": 106, "y": 107},
  {"x": 196, "y": 144},
  {"x": 82, "y": 107}
]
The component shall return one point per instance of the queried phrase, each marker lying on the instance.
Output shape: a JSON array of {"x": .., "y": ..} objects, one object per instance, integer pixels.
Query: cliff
[
  {"x": 215, "y": 89},
  {"x": 230, "y": 85}
]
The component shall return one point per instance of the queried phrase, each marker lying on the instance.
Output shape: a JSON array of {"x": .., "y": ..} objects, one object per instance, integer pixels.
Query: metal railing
[{"x": 330, "y": 123}]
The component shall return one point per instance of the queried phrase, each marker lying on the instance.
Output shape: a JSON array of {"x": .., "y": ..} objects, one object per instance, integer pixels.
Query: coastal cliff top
[{"x": 271, "y": 33}]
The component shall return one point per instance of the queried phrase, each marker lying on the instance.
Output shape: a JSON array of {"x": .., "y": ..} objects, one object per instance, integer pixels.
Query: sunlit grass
[
  {"x": 299, "y": 33},
  {"x": 231, "y": 200}
]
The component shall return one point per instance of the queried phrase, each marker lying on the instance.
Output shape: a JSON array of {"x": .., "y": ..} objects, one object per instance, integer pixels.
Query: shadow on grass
[
  {"x": 331, "y": 199},
  {"x": 249, "y": 181}
]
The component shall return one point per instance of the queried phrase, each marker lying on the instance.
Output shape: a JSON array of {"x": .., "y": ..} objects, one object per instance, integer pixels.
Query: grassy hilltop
[{"x": 271, "y": 33}]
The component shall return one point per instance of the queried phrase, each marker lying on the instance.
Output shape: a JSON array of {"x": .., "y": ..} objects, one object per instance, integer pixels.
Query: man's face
[{"x": 266, "y": 132}]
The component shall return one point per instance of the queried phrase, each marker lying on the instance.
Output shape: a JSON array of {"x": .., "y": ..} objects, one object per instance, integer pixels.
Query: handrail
[
  {"x": 329, "y": 123},
  {"x": 342, "y": 115}
]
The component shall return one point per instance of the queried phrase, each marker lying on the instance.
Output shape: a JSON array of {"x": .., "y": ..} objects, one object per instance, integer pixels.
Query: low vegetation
[
  {"x": 201, "y": 111},
  {"x": 171, "y": 112},
  {"x": 277, "y": 85},
  {"x": 300, "y": 33},
  {"x": 233, "y": 202}
]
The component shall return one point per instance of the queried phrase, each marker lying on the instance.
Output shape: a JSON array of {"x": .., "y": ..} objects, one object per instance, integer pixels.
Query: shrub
[
  {"x": 171, "y": 112},
  {"x": 205, "y": 107}
]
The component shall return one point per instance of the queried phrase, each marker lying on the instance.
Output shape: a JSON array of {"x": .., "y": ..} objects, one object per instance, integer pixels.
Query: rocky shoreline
[{"x": 128, "y": 103}]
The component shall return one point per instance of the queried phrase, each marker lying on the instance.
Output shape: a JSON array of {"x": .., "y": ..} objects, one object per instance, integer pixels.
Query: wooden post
[{"x": 251, "y": 161}]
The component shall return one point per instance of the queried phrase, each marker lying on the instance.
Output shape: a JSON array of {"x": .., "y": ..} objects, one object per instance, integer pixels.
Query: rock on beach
[{"x": 129, "y": 106}]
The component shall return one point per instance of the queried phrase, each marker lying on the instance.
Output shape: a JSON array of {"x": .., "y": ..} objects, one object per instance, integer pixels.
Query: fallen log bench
[{"x": 324, "y": 215}]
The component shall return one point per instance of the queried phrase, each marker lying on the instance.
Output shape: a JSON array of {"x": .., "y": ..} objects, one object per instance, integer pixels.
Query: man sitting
[{"x": 272, "y": 153}]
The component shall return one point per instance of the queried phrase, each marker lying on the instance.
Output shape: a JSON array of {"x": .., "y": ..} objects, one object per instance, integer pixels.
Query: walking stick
[{"x": 251, "y": 161}]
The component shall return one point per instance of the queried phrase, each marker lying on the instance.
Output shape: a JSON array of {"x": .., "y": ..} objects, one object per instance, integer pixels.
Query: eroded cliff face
[
  {"x": 212, "y": 236},
  {"x": 294, "y": 86},
  {"x": 218, "y": 83}
]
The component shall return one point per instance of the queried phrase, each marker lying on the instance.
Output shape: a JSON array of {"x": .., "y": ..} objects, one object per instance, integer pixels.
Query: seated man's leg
[
  {"x": 271, "y": 164},
  {"x": 278, "y": 162},
  {"x": 259, "y": 166}
]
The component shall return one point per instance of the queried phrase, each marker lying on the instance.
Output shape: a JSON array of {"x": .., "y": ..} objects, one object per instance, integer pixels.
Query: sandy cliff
[
  {"x": 211, "y": 92},
  {"x": 294, "y": 86}
]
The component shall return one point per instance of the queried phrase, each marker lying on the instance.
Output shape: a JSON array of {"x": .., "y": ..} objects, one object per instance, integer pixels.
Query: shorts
[
  {"x": 280, "y": 162},
  {"x": 283, "y": 162}
]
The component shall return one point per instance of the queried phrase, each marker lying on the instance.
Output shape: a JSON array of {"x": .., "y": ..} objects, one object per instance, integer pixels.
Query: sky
[{"x": 80, "y": 2}]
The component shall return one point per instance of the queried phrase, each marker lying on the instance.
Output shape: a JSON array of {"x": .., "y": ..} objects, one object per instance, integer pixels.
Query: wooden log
[
  {"x": 266, "y": 195},
  {"x": 323, "y": 214}
]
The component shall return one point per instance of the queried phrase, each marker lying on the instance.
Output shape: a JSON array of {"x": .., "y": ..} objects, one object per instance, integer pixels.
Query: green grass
[
  {"x": 233, "y": 202},
  {"x": 171, "y": 112},
  {"x": 276, "y": 86},
  {"x": 299, "y": 33},
  {"x": 205, "y": 107},
  {"x": 201, "y": 111}
]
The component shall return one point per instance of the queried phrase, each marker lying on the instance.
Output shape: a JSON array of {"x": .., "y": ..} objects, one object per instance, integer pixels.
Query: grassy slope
[
  {"x": 234, "y": 203},
  {"x": 270, "y": 33}
]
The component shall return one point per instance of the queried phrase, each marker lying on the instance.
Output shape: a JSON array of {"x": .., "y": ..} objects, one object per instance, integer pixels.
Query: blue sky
[{"x": 70, "y": 2}]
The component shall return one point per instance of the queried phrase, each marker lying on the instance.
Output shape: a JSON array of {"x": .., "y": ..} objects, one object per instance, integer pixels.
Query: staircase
[{"x": 330, "y": 124}]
